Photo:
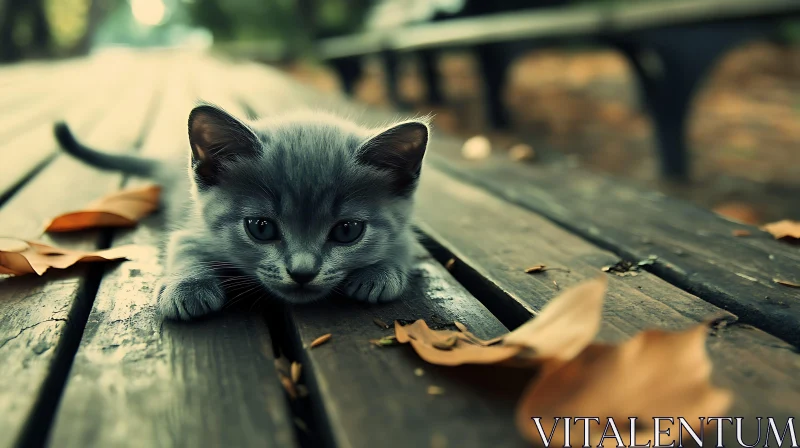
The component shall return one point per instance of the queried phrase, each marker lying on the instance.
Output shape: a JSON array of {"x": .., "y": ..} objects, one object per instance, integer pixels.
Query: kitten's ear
[
  {"x": 399, "y": 149},
  {"x": 215, "y": 137}
]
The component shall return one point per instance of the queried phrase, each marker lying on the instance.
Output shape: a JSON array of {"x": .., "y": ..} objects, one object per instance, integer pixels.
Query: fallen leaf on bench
[
  {"x": 786, "y": 283},
  {"x": 740, "y": 232},
  {"x": 123, "y": 208},
  {"x": 521, "y": 152},
  {"x": 563, "y": 328},
  {"x": 321, "y": 340},
  {"x": 18, "y": 257},
  {"x": 784, "y": 230},
  {"x": 476, "y": 148},
  {"x": 435, "y": 390},
  {"x": 654, "y": 374},
  {"x": 566, "y": 325},
  {"x": 535, "y": 269},
  {"x": 297, "y": 368}
]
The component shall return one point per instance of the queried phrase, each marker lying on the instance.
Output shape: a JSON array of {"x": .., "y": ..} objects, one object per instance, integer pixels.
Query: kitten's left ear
[{"x": 399, "y": 149}]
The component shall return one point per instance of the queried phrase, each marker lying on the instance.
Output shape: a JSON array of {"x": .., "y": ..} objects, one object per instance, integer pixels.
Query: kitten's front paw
[
  {"x": 376, "y": 285},
  {"x": 186, "y": 299}
]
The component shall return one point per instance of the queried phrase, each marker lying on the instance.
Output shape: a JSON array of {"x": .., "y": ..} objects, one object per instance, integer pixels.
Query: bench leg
[
  {"x": 430, "y": 74},
  {"x": 493, "y": 62},
  {"x": 391, "y": 64},
  {"x": 349, "y": 70},
  {"x": 669, "y": 65}
]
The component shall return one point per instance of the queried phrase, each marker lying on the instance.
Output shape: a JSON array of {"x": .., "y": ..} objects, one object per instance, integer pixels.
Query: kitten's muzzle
[{"x": 301, "y": 277}]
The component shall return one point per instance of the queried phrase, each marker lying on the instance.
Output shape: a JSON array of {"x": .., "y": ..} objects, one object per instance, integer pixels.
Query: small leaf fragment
[
  {"x": 289, "y": 386},
  {"x": 435, "y": 390},
  {"x": 535, "y": 269},
  {"x": 786, "y": 283},
  {"x": 297, "y": 368},
  {"x": 783, "y": 230},
  {"x": 740, "y": 232},
  {"x": 384, "y": 341},
  {"x": 450, "y": 263},
  {"x": 380, "y": 323},
  {"x": 321, "y": 340}
]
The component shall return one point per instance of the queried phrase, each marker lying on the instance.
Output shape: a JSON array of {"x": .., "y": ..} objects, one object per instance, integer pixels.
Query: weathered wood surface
[
  {"x": 81, "y": 95},
  {"x": 138, "y": 381},
  {"x": 493, "y": 242},
  {"x": 41, "y": 318},
  {"x": 696, "y": 249}
]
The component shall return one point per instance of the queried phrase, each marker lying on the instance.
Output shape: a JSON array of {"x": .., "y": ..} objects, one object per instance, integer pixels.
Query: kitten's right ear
[{"x": 216, "y": 137}]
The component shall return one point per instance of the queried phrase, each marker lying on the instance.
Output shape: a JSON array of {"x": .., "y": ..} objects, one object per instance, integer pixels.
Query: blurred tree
[{"x": 44, "y": 28}]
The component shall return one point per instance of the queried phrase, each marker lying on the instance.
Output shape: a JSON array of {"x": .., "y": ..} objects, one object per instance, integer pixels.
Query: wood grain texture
[
  {"x": 370, "y": 396},
  {"x": 40, "y": 317},
  {"x": 494, "y": 241},
  {"x": 696, "y": 249},
  {"x": 367, "y": 396},
  {"x": 139, "y": 381},
  {"x": 90, "y": 96}
]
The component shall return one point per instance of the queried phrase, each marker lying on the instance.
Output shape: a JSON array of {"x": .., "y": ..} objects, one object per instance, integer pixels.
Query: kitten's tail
[{"x": 139, "y": 166}]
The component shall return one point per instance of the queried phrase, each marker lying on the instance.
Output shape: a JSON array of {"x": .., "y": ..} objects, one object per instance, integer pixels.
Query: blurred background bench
[{"x": 669, "y": 44}]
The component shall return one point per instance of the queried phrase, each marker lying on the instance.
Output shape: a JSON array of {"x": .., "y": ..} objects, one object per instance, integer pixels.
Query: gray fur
[{"x": 307, "y": 172}]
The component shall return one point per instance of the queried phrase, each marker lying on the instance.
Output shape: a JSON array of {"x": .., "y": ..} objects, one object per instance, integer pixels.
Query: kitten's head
[{"x": 301, "y": 201}]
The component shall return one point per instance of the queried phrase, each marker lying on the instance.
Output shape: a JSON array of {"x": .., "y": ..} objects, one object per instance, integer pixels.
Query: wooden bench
[
  {"x": 670, "y": 45},
  {"x": 85, "y": 361}
]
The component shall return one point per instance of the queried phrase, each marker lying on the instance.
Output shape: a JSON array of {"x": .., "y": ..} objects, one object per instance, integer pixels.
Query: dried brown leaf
[
  {"x": 566, "y": 325},
  {"x": 18, "y": 257},
  {"x": 289, "y": 386},
  {"x": 563, "y": 328},
  {"x": 463, "y": 329},
  {"x": 380, "y": 323},
  {"x": 321, "y": 340},
  {"x": 741, "y": 232},
  {"x": 535, "y": 269},
  {"x": 297, "y": 368},
  {"x": 123, "y": 208},
  {"x": 627, "y": 380},
  {"x": 786, "y": 283},
  {"x": 435, "y": 390},
  {"x": 463, "y": 351},
  {"x": 450, "y": 263},
  {"x": 786, "y": 229}
]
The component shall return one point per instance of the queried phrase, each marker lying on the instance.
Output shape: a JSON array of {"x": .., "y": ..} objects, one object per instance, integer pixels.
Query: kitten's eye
[
  {"x": 347, "y": 231},
  {"x": 261, "y": 229}
]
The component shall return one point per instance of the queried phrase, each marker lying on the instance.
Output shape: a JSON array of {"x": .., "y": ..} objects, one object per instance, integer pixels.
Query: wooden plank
[
  {"x": 368, "y": 396},
  {"x": 364, "y": 396},
  {"x": 38, "y": 142},
  {"x": 41, "y": 318},
  {"x": 493, "y": 242},
  {"x": 695, "y": 248},
  {"x": 139, "y": 381}
]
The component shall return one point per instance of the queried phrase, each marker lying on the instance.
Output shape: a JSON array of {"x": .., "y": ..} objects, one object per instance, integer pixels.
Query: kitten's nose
[{"x": 302, "y": 276}]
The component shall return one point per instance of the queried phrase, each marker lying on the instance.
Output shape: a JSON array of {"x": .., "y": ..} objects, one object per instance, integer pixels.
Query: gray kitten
[{"x": 304, "y": 205}]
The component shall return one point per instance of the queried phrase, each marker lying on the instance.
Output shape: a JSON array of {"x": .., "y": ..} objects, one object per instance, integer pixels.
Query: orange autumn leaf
[
  {"x": 19, "y": 257},
  {"x": 566, "y": 325},
  {"x": 654, "y": 374},
  {"x": 563, "y": 328},
  {"x": 785, "y": 229},
  {"x": 430, "y": 346},
  {"x": 123, "y": 208}
]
